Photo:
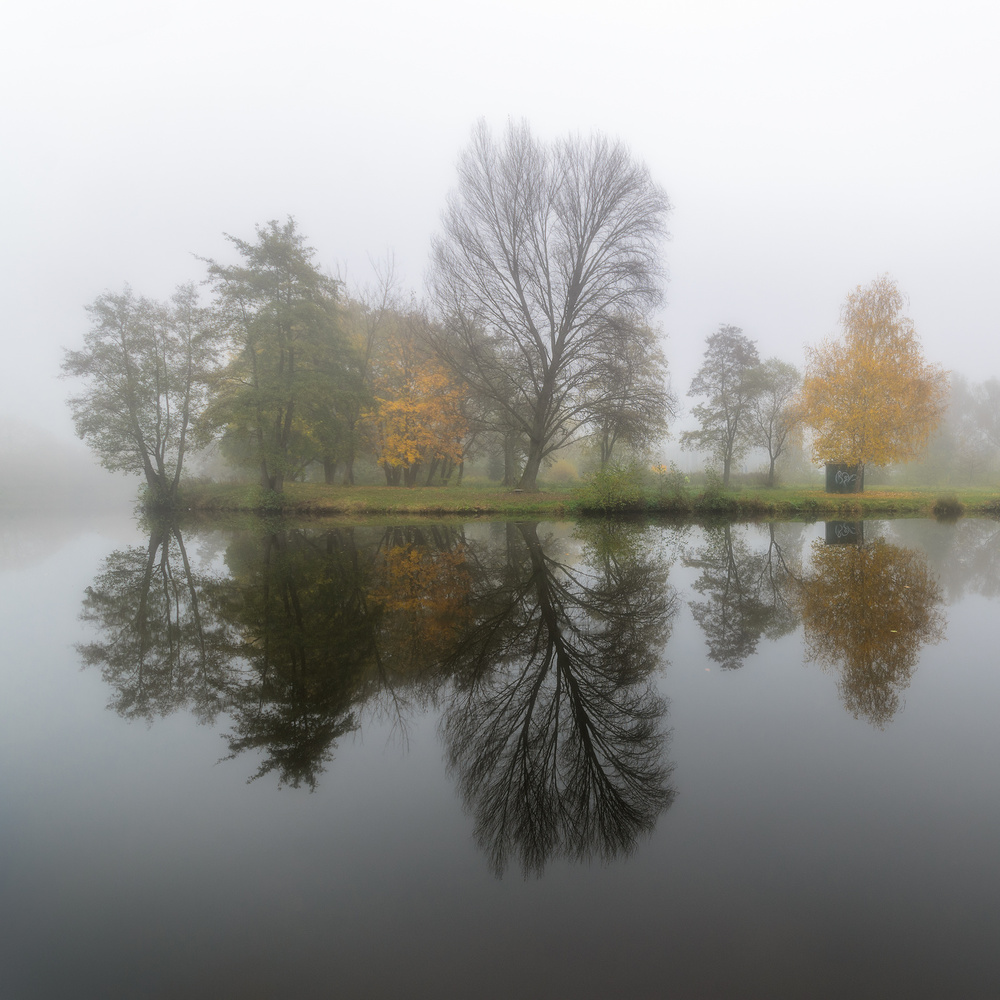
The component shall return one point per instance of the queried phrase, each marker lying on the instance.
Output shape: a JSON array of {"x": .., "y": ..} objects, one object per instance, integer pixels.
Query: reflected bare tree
[
  {"x": 747, "y": 591},
  {"x": 555, "y": 730}
]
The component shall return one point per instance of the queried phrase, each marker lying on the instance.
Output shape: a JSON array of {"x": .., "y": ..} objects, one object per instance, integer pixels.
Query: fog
[{"x": 805, "y": 149}]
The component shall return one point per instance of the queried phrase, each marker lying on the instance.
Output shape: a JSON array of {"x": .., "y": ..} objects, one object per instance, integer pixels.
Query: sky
[{"x": 806, "y": 148}]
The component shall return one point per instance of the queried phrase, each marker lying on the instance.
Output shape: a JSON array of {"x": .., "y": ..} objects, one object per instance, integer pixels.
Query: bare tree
[
  {"x": 544, "y": 245},
  {"x": 774, "y": 417}
]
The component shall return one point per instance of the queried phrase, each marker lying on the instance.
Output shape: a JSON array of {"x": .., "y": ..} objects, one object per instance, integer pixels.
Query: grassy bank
[{"x": 475, "y": 500}]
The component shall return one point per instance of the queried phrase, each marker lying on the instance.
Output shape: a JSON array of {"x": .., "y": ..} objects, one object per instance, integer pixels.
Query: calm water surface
[{"x": 500, "y": 760}]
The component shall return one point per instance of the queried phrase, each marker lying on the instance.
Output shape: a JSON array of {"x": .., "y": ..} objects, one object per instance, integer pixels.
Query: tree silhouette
[
  {"x": 747, "y": 594},
  {"x": 555, "y": 730},
  {"x": 158, "y": 646}
]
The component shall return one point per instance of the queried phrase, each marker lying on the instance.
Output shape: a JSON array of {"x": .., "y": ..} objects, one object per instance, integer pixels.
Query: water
[{"x": 500, "y": 760}]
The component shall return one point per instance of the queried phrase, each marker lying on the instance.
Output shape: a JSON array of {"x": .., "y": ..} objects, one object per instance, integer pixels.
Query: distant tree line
[
  {"x": 537, "y": 334},
  {"x": 866, "y": 399}
]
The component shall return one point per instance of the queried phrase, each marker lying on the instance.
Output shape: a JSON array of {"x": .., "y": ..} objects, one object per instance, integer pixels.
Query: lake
[{"x": 497, "y": 760}]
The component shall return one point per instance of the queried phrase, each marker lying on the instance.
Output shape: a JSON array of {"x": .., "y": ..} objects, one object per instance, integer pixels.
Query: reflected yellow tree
[
  {"x": 421, "y": 578},
  {"x": 868, "y": 611}
]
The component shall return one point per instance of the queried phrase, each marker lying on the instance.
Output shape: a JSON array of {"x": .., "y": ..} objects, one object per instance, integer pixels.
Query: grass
[{"x": 476, "y": 499}]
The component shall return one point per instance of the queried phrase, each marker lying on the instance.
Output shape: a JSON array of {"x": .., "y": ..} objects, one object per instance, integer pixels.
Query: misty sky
[{"x": 805, "y": 147}]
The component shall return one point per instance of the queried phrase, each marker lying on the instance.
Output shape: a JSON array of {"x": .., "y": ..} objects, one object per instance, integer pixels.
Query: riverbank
[{"x": 471, "y": 501}]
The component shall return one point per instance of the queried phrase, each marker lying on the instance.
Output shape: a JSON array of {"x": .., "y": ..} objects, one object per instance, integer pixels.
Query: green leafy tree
[
  {"x": 282, "y": 399},
  {"x": 725, "y": 379},
  {"x": 632, "y": 402},
  {"x": 143, "y": 369}
]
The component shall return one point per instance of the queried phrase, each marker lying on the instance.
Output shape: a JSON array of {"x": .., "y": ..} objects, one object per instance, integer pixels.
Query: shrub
[
  {"x": 948, "y": 508},
  {"x": 614, "y": 489}
]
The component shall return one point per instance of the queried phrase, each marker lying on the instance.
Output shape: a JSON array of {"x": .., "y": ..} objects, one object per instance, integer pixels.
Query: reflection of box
[
  {"x": 845, "y": 532},
  {"x": 844, "y": 478}
]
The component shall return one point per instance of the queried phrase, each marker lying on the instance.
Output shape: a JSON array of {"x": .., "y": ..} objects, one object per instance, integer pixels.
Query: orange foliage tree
[
  {"x": 870, "y": 396},
  {"x": 419, "y": 417},
  {"x": 868, "y": 611}
]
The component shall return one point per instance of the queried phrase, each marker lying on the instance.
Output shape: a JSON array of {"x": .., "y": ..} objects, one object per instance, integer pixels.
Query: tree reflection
[
  {"x": 867, "y": 611},
  {"x": 306, "y": 630},
  {"x": 307, "y": 634},
  {"x": 555, "y": 730},
  {"x": 747, "y": 591},
  {"x": 159, "y": 648}
]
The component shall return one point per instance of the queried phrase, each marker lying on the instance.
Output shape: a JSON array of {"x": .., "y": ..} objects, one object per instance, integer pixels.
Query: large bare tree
[{"x": 545, "y": 246}]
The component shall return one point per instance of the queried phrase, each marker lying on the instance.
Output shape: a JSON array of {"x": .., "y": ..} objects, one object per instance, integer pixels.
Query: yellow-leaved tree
[
  {"x": 418, "y": 420},
  {"x": 869, "y": 396}
]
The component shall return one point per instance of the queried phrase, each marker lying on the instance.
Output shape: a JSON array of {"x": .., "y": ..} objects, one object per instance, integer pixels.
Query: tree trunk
[
  {"x": 531, "y": 467},
  {"x": 509, "y": 458}
]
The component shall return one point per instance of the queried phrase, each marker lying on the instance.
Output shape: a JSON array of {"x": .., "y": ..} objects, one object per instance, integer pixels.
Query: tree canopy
[
  {"x": 291, "y": 368},
  {"x": 143, "y": 368},
  {"x": 774, "y": 413},
  {"x": 870, "y": 397},
  {"x": 724, "y": 378},
  {"x": 545, "y": 246}
]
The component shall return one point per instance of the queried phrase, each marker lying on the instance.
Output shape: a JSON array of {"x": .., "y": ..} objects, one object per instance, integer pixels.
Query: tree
[
  {"x": 417, "y": 419},
  {"x": 774, "y": 415},
  {"x": 868, "y": 611},
  {"x": 368, "y": 313},
  {"x": 143, "y": 367},
  {"x": 555, "y": 729},
  {"x": 633, "y": 400},
  {"x": 725, "y": 378},
  {"x": 870, "y": 396},
  {"x": 291, "y": 369},
  {"x": 544, "y": 246},
  {"x": 745, "y": 593}
]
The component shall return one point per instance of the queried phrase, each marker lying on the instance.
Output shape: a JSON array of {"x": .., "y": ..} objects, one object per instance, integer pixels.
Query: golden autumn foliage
[
  {"x": 868, "y": 610},
  {"x": 418, "y": 418},
  {"x": 870, "y": 396},
  {"x": 426, "y": 590}
]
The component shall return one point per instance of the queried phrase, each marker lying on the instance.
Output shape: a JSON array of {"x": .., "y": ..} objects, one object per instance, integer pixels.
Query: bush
[
  {"x": 948, "y": 508},
  {"x": 615, "y": 489}
]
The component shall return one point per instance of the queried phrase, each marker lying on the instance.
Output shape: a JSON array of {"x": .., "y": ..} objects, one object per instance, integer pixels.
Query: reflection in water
[
  {"x": 965, "y": 556},
  {"x": 158, "y": 646},
  {"x": 306, "y": 635},
  {"x": 868, "y": 610},
  {"x": 553, "y": 726},
  {"x": 746, "y": 590},
  {"x": 555, "y": 730}
]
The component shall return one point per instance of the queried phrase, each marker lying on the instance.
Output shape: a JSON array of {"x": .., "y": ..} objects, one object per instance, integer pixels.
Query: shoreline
[{"x": 315, "y": 500}]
